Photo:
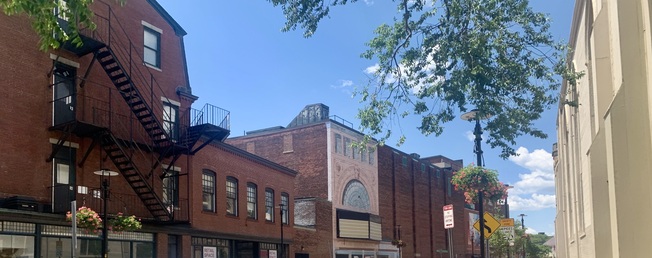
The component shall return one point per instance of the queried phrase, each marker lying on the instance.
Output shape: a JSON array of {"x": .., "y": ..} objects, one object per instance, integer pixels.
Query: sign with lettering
[
  {"x": 449, "y": 218},
  {"x": 210, "y": 252}
]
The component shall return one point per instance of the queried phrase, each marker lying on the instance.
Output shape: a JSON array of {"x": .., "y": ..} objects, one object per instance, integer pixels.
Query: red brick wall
[
  {"x": 414, "y": 200},
  {"x": 227, "y": 163},
  {"x": 308, "y": 155},
  {"x": 317, "y": 241}
]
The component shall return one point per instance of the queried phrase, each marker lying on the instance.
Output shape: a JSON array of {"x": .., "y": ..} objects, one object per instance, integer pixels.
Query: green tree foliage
[
  {"x": 45, "y": 15},
  {"x": 443, "y": 58},
  {"x": 532, "y": 243}
]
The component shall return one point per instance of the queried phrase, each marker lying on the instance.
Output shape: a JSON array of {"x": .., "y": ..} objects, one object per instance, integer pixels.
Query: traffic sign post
[
  {"x": 507, "y": 227},
  {"x": 449, "y": 222},
  {"x": 449, "y": 218},
  {"x": 491, "y": 224}
]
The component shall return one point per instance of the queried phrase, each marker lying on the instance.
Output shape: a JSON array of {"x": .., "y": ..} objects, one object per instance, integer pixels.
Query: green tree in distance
[
  {"x": 442, "y": 58},
  {"x": 533, "y": 244}
]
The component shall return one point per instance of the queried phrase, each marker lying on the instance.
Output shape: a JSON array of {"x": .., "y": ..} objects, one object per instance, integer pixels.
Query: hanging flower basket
[
  {"x": 398, "y": 243},
  {"x": 125, "y": 223},
  {"x": 473, "y": 179},
  {"x": 86, "y": 218}
]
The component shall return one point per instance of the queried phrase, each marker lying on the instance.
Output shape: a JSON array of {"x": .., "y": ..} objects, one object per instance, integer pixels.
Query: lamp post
[
  {"x": 104, "y": 175},
  {"x": 470, "y": 116},
  {"x": 506, "y": 208},
  {"x": 281, "y": 219},
  {"x": 523, "y": 227}
]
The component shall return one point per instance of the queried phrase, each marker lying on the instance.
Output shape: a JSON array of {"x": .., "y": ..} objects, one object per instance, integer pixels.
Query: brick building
[
  {"x": 122, "y": 104},
  {"x": 355, "y": 202}
]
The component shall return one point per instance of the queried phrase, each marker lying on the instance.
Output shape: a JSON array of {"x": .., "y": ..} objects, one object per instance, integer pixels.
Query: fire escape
[{"x": 141, "y": 146}]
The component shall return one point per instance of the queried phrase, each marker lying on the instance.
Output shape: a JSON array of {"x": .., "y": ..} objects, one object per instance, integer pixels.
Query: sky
[{"x": 239, "y": 60}]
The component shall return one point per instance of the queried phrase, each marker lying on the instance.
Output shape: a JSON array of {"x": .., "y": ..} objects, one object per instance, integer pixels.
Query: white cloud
[
  {"x": 537, "y": 160},
  {"x": 369, "y": 2},
  {"x": 342, "y": 84},
  {"x": 531, "y": 203},
  {"x": 531, "y": 231},
  {"x": 535, "y": 190},
  {"x": 372, "y": 69},
  {"x": 418, "y": 83},
  {"x": 470, "y": 136}
]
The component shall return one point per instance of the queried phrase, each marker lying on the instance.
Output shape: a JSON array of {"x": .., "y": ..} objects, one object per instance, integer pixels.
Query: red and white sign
[
  {"x": 449, "y": 221},
  {"x": 210, "y": 252}
]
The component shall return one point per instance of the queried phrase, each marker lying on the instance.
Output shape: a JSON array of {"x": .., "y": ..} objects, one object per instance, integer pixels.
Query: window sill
[
  {"x": 153, "y": 67},
  {"x": 232, "y": 216},
  {"x": 208, "y": 212}
]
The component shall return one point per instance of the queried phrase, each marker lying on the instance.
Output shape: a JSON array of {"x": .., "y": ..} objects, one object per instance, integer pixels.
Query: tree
[
  {"x": 533, "y": 244},
  {"x": 45, "y": 16},
  {"x": 442, "y": 58}
]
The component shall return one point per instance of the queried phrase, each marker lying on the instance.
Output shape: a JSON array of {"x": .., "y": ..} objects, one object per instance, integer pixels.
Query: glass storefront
[
  {"x": 19, "y": 240},
  {"x": 209, "y": 247}
]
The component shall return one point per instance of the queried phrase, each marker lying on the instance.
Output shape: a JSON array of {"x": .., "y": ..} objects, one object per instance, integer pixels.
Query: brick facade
[
  {"x": 407, "y": 197},
  {"x": 33, "y": 178}
]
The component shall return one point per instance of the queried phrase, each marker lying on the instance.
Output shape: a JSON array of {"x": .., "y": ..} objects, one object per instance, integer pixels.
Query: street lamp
[
  {"x": 506, "y": 205},
  {"x": 506, "y": 208},
  {"x": 104, "y": 175},
  {"x": 470, "y": 116},
  {"x": 523, "y": 227}
]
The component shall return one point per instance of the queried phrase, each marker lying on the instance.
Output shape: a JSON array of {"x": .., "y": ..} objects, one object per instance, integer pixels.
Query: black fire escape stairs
[
  {"x": 163, "y": 145},
  {"x": 115, "y": 150}
]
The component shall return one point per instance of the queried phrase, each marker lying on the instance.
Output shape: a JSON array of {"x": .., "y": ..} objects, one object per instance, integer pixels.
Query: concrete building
[
  {"x": 602, "y": 158},
  {"x": 123, "y": 103},
  {"x": 354, "y": 202}
]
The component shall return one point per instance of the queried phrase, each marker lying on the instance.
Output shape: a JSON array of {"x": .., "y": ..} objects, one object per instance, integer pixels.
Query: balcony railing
[{"x": 130, "y": 205}]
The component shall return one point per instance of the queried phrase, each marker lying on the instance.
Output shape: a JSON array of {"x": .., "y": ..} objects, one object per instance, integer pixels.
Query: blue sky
[{"x": 239, "y": 60}]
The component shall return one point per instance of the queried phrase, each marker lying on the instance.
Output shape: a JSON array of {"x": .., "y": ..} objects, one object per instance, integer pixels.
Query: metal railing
[
  {"x": 129, "y": 204},
  {"x": 110, "y": 31}
]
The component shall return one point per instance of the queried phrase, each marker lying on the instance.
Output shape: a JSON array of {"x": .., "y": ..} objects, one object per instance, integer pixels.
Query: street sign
[
  {"x": 507, "y": 228},
  {"x": 490, "y": 225},
  {"x": 507, "y": 222},
  {"x": 449, "y": 218}
]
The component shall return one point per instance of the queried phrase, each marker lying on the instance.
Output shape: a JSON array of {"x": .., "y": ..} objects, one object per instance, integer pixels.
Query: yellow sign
[
  {"x": 490, "y": 225},
  {"x": 507, "y": 222}
]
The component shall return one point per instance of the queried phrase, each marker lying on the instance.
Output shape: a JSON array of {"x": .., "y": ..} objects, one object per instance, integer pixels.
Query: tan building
[{"x": 602, "y": 166}]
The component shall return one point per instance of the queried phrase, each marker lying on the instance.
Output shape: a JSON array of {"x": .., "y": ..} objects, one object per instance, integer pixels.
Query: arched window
[
  {"x": 232, "y": 196},
  {"x": 252, "y": 201},
  {"x": 269, "y": 204},
  {"x": 208, "y": 190},
  {"x": 355, "y": 195}
]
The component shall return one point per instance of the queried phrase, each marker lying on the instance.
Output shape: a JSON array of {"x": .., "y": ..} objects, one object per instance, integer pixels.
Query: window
[
  {"x": 252, "y": 211},
  {"x": 371, "y": 156},
  {"x": 363, "y": 154},
  {"x": 64, "y": 94},
  {"x": 347, "y": 146},
  {"x": 269, "y": 204},
  {"x": 208, "y": 190},
  {"x": 404, "y": 161},
  {"x": 338, "y": 143},
  {"x": 285, "y": 202},
  {"x": 354, "y": 155},
  {"x": 152, "y": 44},
  {"x": 170, "y": 121},
  {"x": 232, "y": 196},
  {"x": 355, "y": 195},
  {"x": 423, "y": 167},
  {"x": 171, "y": 189}
]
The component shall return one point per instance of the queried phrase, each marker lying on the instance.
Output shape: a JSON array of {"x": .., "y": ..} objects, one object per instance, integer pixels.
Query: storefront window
[{"x": 16, "y": 246}]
